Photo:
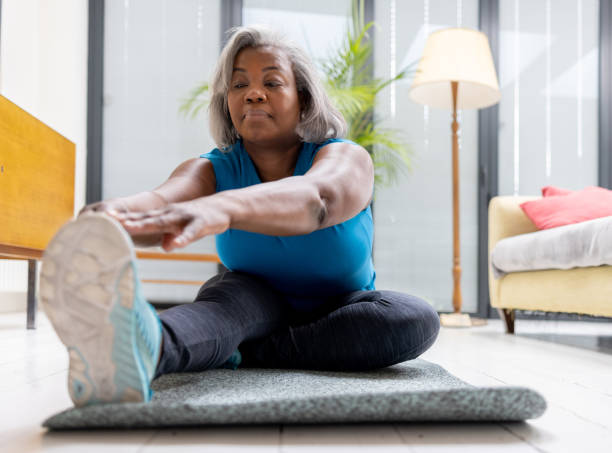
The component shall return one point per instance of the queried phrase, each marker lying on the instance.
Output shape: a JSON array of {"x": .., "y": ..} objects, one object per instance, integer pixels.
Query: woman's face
[{"x": 263, "y": 100}]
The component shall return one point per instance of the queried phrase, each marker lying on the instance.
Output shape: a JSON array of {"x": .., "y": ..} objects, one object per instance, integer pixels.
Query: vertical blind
[{"x": 548, "y": 111}]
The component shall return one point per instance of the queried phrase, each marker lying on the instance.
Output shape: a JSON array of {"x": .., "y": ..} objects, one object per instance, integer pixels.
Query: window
[
  {"x": 413, "y": 250},
  {"x": 548, "y": 110}
]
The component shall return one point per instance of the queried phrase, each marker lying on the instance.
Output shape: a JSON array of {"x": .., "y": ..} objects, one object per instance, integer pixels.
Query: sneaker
[
  {"x": 91, "y": 293},
  {"x": 234, "y": 361}
]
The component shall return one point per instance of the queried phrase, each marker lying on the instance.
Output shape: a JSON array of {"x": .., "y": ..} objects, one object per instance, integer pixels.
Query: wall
[{"x": 43, "y": 69}]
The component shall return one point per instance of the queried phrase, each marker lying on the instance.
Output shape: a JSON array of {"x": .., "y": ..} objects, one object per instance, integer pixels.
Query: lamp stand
[{"x": 457, "y": 319}]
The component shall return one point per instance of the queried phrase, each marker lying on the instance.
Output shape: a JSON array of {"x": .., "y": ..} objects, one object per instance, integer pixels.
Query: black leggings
[{"x": 360, "y": 330}]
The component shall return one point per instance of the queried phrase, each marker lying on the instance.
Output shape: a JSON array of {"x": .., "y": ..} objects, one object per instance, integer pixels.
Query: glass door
[
  {"x": 155, "y": 53},
  {"x": 413, "y": 249}
]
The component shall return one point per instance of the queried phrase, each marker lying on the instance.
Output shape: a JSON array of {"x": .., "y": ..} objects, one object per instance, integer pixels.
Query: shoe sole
[{"x": 87, "y": 288}]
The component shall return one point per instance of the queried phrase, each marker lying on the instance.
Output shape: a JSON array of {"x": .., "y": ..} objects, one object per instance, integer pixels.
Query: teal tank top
[{"x": 307, "y": 269}]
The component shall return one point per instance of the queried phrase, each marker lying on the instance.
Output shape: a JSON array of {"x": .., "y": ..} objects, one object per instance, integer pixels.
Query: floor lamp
[{"x": 456, "y": 71}]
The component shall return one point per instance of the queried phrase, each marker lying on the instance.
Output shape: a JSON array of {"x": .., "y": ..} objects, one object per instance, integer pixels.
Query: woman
[{"x": 289, "y": 203}]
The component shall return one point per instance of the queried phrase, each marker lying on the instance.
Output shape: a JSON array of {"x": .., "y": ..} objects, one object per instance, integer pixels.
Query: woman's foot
[{"x": 91, "y": 294}]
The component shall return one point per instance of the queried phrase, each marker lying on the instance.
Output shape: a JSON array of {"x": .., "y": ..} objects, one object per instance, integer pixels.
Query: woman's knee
[
  {"x": 237, "y": 302},
  {"x": 230, "y": 283},
  {"x": 239, "y": 292},
  {"x": 415, "y": 324}
]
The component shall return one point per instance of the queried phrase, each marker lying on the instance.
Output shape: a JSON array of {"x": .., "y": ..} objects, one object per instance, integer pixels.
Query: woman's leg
[
  {"x": 230, "y": 308},
  {"x": 361, "y": 330}
]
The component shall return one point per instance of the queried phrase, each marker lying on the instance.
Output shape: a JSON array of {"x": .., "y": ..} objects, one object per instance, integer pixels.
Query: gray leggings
[{"x": 360, "y": 330}]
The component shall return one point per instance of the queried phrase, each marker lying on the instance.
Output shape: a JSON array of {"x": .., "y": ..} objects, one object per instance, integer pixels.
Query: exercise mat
[{"x": 415, "y": 390}]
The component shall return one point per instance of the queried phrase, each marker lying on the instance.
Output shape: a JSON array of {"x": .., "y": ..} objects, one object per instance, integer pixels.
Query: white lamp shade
[{"x": 456, "y": 55}]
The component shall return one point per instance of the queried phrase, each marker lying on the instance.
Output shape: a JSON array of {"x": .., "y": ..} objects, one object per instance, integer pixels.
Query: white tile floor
[{"x": 577, "y": 384}]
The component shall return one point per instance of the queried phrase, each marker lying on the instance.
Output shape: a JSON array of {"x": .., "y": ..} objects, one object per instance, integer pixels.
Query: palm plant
[
  {"x": 351, "y": 86},
  {"x": 353, "y": 89}
]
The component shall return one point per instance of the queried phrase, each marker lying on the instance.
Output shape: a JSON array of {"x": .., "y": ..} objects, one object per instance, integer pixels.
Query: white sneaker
[{"x": 91, "y": 293}]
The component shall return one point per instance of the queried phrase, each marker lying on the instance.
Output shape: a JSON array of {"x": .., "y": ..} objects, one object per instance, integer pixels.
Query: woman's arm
[
  {"x": 338, "y": 185},
  {"x": 192, "y": 179}
]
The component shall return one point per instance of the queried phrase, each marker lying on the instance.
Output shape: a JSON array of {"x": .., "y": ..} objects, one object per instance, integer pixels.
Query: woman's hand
[
  {"x": 117, "y": 207},
  {"x": 113, "y": 206},
  {"x": 140, "y": 202},
  {"x": 179, "y": 223}
]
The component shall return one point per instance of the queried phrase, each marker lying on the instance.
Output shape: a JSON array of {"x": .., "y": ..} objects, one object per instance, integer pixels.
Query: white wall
[{"x": 43, "y": 69}]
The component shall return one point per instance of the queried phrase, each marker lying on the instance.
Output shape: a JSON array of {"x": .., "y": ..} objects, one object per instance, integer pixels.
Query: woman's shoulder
[
  {"x": 226, "y": 166},
  {"x": 229, "y": 153},
  {"x": 317, "y": 146},
  {"x": 310, "y": 150}
]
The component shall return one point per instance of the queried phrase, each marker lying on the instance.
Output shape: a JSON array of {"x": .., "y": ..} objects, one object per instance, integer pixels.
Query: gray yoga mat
[{"x": 416, "y": 390}]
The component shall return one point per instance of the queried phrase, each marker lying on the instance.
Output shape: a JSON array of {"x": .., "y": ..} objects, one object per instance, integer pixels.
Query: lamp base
[{"x": 460, "y": 320}]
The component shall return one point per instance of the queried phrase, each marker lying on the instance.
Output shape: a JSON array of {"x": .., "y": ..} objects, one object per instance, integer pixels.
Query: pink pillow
[
  {"x": 580, "y": 206},
  {"x": 551, "y": 191}
]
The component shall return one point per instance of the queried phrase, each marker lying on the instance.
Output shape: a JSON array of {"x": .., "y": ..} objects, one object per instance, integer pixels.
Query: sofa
[{"x": 583, "y": 290}]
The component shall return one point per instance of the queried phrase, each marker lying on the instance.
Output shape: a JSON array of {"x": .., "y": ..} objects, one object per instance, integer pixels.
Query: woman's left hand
[{"x": 180, "y": 223}]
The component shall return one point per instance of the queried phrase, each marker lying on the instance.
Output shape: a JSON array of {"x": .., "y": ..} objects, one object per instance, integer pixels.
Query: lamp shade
[{"x": 456, "y": 55}]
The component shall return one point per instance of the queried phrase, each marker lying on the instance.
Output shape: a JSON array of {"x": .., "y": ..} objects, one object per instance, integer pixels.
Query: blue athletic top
[{"x": 305, "y": 268}]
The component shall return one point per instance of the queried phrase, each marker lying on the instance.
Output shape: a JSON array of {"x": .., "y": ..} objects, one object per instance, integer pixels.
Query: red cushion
[
  {"x": 551, "y": 191},
  {"x": 580, "y": 206}
]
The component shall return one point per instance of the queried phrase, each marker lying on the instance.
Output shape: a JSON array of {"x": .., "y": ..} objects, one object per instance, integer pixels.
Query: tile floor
[{"x": 576, "y": 382}]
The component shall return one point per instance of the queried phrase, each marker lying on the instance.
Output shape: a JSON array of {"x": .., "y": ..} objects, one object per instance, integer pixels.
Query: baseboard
[{"x": 13, "y": 301}]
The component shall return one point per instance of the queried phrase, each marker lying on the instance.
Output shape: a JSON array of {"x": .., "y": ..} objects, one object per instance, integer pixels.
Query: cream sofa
[{"x": 585, "y": 290}]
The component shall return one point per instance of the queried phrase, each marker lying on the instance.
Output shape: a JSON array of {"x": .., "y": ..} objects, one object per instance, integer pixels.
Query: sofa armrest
[{"x": 506, "y": 218}]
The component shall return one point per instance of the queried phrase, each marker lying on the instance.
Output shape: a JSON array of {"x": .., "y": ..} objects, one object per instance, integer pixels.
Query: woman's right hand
[
  {"x": 117, "y": 207},
  {"x": 111, "y": 206}
]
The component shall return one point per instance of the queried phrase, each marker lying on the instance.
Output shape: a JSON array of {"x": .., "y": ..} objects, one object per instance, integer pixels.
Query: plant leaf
[{"x": 196, "y": 101}]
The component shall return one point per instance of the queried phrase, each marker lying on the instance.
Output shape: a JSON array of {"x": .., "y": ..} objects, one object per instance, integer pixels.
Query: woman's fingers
[
  {"x": 112, "y": 207},
  {"x": 167, "y": 242},
  {"x": 168, "y": 222},
  {"x": 193, "y": 230},
  {"x": 190, "y": 233},
  {"x": 179, "y": 223},
  {"x": 134, "y": 216},
  {"x": 114, "y": 214}
]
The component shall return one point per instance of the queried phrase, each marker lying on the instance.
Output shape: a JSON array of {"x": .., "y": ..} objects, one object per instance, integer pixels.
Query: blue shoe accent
[
  {"x": 81, "y": 384},
  {"x": 234, "y": 360},
  {"x": 78, "y": 388},
  {"x": 136, "y": 344}
]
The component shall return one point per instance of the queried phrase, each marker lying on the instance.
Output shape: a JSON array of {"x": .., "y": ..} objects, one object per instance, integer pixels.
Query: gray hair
[{"x": 319, "y": 119}]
